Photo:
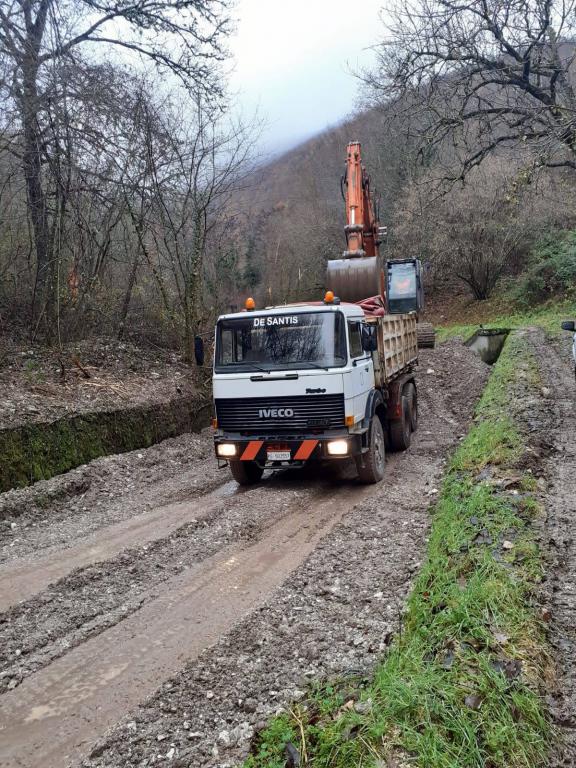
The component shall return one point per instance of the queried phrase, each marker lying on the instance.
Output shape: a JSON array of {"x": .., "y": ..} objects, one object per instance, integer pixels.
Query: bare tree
[
  {"x": 482, "y": 228},
  {"x": 185, "y": 203},
  {"x": 184, "y": 37},
  {"x": 482, "y": 74}
]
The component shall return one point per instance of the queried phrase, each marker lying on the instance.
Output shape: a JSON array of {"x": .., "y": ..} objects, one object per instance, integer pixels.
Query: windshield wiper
[
  {"x": 315, "y": 365},
  {"x": 256, "y": 367}
]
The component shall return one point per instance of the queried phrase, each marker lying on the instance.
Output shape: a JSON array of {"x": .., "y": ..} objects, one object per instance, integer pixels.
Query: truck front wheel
[
  {"x": 372, "y": 463},
  {"x": 246, "y": 472}
]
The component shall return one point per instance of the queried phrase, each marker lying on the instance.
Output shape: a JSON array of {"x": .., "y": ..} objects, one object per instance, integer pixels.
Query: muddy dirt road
[
  {"x": 152, "y": 612},
  {"x": 559, "y": 439}
]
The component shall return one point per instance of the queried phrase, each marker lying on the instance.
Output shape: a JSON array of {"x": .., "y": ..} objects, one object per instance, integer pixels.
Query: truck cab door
[{"x": 361, "y": 377}]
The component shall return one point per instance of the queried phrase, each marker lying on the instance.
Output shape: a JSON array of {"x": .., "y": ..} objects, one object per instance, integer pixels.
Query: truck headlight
[
  {"x": 226, "y": 450},
  {"x": 338, "y": 447}
]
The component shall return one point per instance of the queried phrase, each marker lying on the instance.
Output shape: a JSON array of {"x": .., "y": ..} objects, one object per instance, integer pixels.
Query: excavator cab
[
  {"x": 405, "y": 293},
  {"x": 405, "y": 290}
]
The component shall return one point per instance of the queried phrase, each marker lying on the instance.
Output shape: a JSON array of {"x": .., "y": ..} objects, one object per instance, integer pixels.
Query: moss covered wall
[{"x": 39, "y": 451}]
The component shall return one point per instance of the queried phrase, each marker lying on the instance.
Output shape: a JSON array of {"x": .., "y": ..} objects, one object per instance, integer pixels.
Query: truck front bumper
[{"x": 273, "y": 451}]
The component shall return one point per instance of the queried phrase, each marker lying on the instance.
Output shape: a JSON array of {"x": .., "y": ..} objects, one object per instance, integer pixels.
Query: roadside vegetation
[
  {"x": 547, "y": 316},
  {"x": 462, "y": 683},
  {"x": 543, "y": 295}
]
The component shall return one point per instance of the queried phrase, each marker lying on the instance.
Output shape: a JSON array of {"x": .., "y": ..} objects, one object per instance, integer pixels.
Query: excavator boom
[
  {"x": 361, "y": 226},
  {"x": 358, "y": 274}
]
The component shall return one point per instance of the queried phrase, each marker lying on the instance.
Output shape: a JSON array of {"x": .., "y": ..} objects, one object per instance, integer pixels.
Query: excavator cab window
[{"x": 402, "y": 287}]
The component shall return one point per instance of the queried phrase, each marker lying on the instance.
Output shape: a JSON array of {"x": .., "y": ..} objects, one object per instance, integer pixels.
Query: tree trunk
[
  {"x": 42, "y": 299},
  {"x": 193, "y": 287},
  {"x": 128, "y": 295}
]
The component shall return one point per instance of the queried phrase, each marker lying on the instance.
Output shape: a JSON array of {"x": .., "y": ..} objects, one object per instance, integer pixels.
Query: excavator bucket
[{"x": 354, "y": 279}]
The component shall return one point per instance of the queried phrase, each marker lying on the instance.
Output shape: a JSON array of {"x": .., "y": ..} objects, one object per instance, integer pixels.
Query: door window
[{"x": 355, "y": 337}]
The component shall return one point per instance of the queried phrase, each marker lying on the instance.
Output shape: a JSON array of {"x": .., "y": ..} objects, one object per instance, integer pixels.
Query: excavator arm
[
  {"x": 361, "y": 230},
  {"x": 359, "y": 275}
]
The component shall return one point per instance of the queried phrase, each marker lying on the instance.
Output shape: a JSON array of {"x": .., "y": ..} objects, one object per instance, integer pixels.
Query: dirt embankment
[
  {"x": 39, "y": 384},
  {"x": 60, "y": 409},
  {"x": 220, "y": 605}
]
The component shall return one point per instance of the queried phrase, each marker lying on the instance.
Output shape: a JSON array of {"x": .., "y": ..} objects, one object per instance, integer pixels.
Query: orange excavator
[{"x": 393, "y": 288}]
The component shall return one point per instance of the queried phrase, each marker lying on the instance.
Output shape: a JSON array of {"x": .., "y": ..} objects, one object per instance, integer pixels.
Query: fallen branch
[{"x": 80, "y": 367}]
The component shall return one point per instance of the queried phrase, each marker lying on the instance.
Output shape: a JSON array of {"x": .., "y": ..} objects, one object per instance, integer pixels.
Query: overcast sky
[{"x": 293, "y": 62}]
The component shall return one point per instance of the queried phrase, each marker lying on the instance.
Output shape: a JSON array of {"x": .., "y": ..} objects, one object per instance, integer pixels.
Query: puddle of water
[{"x": 487, "y": 343}]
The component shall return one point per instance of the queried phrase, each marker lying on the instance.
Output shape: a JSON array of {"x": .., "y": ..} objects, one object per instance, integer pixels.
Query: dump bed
[{"x": 397, "y": 346}]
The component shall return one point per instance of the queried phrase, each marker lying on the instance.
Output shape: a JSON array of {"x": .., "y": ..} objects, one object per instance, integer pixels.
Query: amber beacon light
[{"x": 250, "y": 304}]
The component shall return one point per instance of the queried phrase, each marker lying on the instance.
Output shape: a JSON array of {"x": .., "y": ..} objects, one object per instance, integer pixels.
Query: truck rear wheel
[
  {"x": 401, "y": 430},
  {"x": 371, "y": 465},
  {"x": 246, "y": 472},
  {"x": 413, "y": 401}
]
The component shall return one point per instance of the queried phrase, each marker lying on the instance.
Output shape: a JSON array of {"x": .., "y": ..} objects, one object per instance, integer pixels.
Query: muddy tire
[
  {"x": 371, "y": 465},
  {"x": 413, "y": 401},
  {"x": 401, "y": 430},
  {"x": 246, "y": 472}
]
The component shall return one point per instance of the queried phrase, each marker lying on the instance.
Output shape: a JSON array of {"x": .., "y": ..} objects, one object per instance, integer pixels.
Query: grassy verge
[
  {"x": 547, "y": 316},
  {"x": 461, "y": 685}
]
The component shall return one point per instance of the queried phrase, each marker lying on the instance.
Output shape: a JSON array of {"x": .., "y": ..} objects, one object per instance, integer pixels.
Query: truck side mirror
[
  {"x": 199, "y": 350},
  {"x": 369, "y": 340},
  {"x": 569, "y": 325}
]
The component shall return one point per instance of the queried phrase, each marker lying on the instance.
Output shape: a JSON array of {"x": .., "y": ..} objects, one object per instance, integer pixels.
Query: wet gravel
[
  {"x": 97, "y": 597},
  {"x": 58, "y": 511},
  {"x": 553, "y": 422}
]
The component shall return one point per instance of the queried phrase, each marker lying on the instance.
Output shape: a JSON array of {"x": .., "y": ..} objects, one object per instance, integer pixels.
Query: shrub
[{"x": 551, "y": 269}]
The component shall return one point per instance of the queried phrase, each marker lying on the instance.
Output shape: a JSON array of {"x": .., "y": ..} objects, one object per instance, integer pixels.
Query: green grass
[
  {"x": 547, "y": 316},
  {"x": 461, "y": 686}
]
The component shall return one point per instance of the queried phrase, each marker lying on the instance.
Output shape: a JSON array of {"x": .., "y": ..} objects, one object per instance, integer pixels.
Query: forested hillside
[{"x": 133, "y": 203}]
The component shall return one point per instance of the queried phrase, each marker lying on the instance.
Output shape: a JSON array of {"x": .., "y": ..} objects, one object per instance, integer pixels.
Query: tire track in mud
[
  {"x": 94, "y": 598},
  {"x": 21, "y": 580},
  {"x": 55, "y": 513},
  {"x": 77, "y": 697}
]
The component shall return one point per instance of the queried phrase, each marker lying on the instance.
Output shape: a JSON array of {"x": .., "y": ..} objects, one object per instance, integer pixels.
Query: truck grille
[{"x": 263, "y": 415}]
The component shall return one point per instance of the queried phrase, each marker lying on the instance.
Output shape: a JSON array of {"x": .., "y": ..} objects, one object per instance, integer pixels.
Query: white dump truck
[
  {"x": 324, "y": 381},
  {"x": 313, "y": 382}
]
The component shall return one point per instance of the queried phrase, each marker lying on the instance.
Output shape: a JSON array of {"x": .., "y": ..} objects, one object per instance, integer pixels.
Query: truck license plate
[{"x": 278, "y": 455}]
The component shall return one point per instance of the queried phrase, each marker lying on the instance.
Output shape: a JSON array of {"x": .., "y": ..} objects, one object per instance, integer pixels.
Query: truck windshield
[{"x": 281, "y": 342}]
